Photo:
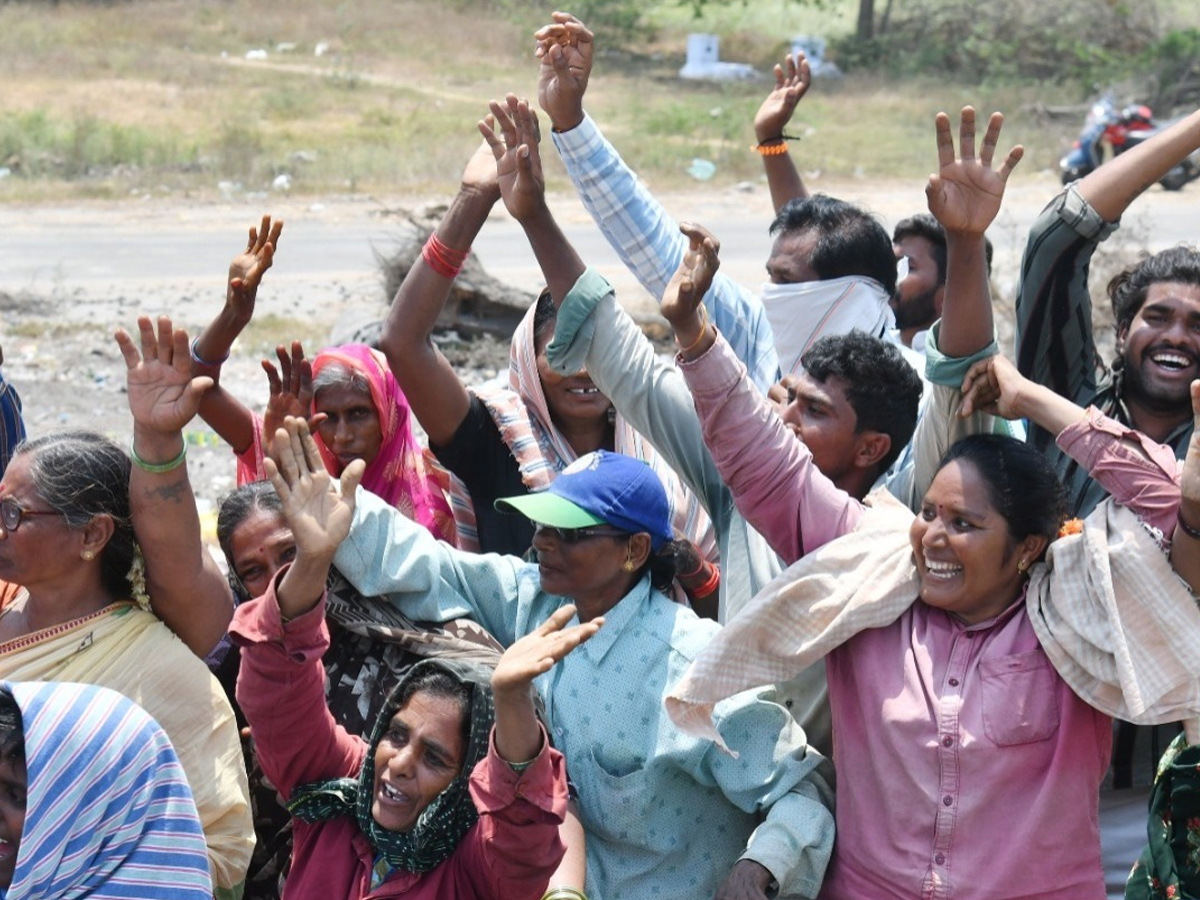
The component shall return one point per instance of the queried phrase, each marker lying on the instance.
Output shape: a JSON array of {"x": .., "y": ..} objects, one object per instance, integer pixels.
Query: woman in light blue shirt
[{"x": 665, "y": 814}]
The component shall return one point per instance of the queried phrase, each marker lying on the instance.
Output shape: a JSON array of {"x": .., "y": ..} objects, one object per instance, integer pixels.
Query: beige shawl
[
  {"x": 134, "y": 653},
  {"x": 1119, "y": 626}
]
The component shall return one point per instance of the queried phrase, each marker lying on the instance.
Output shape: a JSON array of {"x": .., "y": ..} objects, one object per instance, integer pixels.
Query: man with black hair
[
  {"x": 1156, "y": 305},
  {"x": 1156, "y": 308},
  {"x": 920, "y": 244}
]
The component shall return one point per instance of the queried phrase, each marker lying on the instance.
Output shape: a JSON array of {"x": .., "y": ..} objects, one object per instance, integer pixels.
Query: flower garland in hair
[
  {"x": 1071, "y": 526},
  {"x": 137, "y": 579}
]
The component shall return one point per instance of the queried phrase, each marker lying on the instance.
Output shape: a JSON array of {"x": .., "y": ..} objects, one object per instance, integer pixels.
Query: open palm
[{"x": 965, "y": 193}]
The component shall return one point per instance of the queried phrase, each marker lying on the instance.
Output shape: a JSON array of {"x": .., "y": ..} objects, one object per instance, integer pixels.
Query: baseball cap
[{"x": 601, "y": 488}]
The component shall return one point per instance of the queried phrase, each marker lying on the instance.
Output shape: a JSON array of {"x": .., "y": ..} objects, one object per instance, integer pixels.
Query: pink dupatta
[{"x": 403, "y": 473}]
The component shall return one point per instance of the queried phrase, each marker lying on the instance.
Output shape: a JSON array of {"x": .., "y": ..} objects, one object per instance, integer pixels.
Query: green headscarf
[{"x": 444, "y": 822}]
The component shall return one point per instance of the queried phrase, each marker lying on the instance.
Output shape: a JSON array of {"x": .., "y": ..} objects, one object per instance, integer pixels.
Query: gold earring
[
  {"x": 1022, "y": 566},
  {"x": 628, "y": 565},
  {"x": 88, "y": 555}
]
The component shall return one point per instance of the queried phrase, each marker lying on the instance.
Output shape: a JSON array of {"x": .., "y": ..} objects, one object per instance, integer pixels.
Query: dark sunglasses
[
  {"x": 575, "y": 535},
  {"x": 11, "y": 514}
]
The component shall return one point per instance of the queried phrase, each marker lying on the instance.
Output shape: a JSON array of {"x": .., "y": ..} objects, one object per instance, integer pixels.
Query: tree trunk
[{"x": 866, "y": 20}]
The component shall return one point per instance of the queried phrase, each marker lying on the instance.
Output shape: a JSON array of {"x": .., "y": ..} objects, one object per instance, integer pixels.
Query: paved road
[{"x": 163, "y": 248}]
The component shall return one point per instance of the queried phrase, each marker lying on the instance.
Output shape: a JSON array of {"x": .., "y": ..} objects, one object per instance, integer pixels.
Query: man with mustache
[{"x": 1156, "y": 304}]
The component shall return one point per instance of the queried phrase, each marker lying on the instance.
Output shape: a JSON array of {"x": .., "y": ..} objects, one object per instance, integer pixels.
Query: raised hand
[
  {"x": 291, "y": 390},
  {"x": 518, "y": 737},
  {"x": 684, "y": 294},
  {"x": 565, "y": 48},
  {"x": 791, "y": 84},
  {"x": 538, "y": 651},
  {"x": 163, "y": 395},
  {"x": 317, "y": 507},
  {"x": 248, "y": 267},
  {"x": 479, "y": 176},
  {"x": 515, "y": 149},
  {"x": 965, "y": 193}
]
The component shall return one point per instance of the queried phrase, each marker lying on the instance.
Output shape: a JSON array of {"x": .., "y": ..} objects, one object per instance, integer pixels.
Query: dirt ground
[{"x": 56, "y": 328}]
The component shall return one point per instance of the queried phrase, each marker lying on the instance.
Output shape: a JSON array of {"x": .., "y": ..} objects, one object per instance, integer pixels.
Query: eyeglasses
[
  {"x": 11, "y": 514},
  {"x": 575, "y": 535}
]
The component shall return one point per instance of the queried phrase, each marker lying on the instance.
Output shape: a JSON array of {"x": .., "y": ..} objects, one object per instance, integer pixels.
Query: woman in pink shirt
[
  {"x": 974, "y": 659},
  {"x": 458, "y": 792}
]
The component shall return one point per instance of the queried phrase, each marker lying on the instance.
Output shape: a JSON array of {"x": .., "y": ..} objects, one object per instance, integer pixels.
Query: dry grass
[{"x": 154, "y": 95}]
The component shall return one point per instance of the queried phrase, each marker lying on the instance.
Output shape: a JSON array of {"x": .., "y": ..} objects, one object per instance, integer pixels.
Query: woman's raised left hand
[{"x": 163, "y": 395}]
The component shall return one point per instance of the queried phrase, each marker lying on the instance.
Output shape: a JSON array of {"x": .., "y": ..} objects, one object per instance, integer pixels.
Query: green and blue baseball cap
[{"x": 601, "y": 488}]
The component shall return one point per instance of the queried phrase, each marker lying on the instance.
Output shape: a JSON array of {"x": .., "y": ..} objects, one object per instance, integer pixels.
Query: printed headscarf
[
  {"x": 446, "y": 820},
  {"x": 404, "y": 473},
  {"x": 522, "y": 416},
  {"x": 109, "y": 813}
]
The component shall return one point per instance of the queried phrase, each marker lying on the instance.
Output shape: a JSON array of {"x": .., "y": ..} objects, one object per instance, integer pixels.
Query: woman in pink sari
[{"x": 357, "y": 408}]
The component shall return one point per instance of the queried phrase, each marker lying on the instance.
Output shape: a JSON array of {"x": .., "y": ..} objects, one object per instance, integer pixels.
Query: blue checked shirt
[{"x": 650, "y": 244}]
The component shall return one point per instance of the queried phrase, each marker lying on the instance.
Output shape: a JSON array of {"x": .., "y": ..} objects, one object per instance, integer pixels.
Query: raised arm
[
  {"x": 186, "y": 588},
  {"x": 438, "y": 398},
  {"x": 1110, "y": 188},
  {"x": 519, "y": 169},
  {"x": 1139, "y": 473},
  {"x": 965, "y": 196},
  {"x": 634, "y": 223},
  {"x": 227, "y": 415},
  {"x": 792, "y": 81},
  {"x": 318, "y": 509},
  {"x": 1185, "y": 549}
]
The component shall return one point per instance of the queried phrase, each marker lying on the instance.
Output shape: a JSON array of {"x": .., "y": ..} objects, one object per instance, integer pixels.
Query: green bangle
[
  {"x": 562, "y": 892},
  {"x": 158, "y": 468}
]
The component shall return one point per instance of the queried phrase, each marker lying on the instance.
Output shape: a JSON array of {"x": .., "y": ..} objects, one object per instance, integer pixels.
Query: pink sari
[{"x": 403, "y": 473}]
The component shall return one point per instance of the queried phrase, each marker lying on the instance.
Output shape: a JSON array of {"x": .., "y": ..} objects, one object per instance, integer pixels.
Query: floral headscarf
[{"x": 446, "y": 820}]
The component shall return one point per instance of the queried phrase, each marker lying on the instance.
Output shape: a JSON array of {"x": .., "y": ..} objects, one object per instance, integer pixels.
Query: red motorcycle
[{"x": 1119, "y": 129}]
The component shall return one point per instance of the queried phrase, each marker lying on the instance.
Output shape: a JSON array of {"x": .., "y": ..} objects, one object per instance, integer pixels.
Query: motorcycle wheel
[{"x": 1174, "y": 180}]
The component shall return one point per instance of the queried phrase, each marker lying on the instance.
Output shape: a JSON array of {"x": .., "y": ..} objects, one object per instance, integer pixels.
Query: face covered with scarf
[{"x": 411, "y": 798}]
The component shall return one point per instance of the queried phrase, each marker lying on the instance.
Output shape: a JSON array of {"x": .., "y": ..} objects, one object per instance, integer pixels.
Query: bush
[{"x": 1068, "y": 40}]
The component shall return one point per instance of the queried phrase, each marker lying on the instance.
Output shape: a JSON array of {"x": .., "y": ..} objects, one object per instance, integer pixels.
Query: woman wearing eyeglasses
[
  {"x": 661, "y": 811},
  {"x": 83, "y": 613}
]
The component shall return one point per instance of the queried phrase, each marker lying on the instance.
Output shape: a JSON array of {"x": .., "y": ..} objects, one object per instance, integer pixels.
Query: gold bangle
[
  {"x": 703, "y": 332},
  {"x": 563, "y": 892}
]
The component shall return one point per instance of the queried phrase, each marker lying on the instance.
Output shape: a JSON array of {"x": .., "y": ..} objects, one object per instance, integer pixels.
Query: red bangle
[
  {"x": 444, "y": 260},
  {"x": 713, "y": 582}
]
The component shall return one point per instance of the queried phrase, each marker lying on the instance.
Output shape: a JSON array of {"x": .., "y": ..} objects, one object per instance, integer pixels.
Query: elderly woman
[
  {"x": 602, "y": 536},
  {"x": 83, "y": 615},
  {"x": 975, "y": 656},
  {"x": 93, "y": 801},
  {"x": 358, "y": 409},
  {"x": 458, "y": 792}
]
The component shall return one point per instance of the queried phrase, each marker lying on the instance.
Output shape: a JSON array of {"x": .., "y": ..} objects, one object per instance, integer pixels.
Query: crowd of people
[{"x": 838, "y": 602}]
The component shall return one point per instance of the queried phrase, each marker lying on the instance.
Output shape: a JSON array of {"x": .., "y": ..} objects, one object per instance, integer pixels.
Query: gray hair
[{"x": 80, "y": 475}]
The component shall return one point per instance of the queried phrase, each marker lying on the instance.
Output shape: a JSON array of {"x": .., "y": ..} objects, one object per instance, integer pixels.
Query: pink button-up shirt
[
  {"x": 967, "y": 768},
  {"x": 963, "y": 707}
]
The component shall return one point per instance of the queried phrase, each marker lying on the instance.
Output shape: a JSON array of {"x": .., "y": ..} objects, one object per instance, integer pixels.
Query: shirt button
[
  {"x": 940, "y": 859},
  {"x": 947, "y": 801},
  {"x": 948, "y": 742},
  {"x": 953, "y": 682}
]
